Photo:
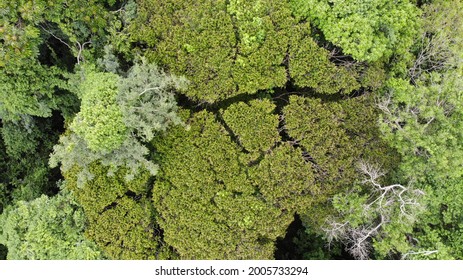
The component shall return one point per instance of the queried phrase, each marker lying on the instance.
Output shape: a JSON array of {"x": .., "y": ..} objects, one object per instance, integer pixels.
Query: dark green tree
[
  {"x": 27, "y": 145},
  {"x": 30, "y": 66}
]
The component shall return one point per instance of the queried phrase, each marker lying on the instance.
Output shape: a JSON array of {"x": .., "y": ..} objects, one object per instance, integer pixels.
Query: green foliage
[
  {"x": 286, "y": 180},
  {"x": 374, "y": 212},
  {"x": 116, "y": 113},
  {"x": 26, "y": 86},
  {"x": 331, "y": 136},
  {"x": 211, "y": 193},
  {"x": 254, "y": 124},
  {"x": 126, "y": 232},
  {"x": 28, "y": 89},
  {"x": 118, "y": 29},
  {"x": 208, "y": 207},
  {"x": 310, "y": 65},
  {"x": 333, "y": 142},
  {"x": 147, "y": 101},
  {"x": 441, "y": 40},
  {"x": 441, "y": 225},
  {"x": 21, "y": 137},
  {"x": 436, "y": 233},
  {"x": 46, "y": 228},
  {"x": 192, "y": 39},
  {"x": 26, "y": 177},
  {"x": 100, "y": 121},
  {"x": 423, "y": 121},
  {"x": 261, "y": 28},
  {"x": 373, "y": 77},
  {"x": 227, "y": 48},
  {"x": 29, "y": 59},
  {"x": 221, "y": 206},
  {"x": 75, "y": 20},
  {"x": 367, "y": 30},
  {"x": 121, "y": 219}
]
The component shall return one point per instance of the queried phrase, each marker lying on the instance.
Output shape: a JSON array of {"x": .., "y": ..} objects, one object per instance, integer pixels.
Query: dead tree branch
[{"x": 395, "y": 201}]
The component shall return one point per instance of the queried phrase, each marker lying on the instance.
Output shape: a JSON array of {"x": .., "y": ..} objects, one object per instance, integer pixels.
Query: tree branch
[{"x": 383, "y": 203}]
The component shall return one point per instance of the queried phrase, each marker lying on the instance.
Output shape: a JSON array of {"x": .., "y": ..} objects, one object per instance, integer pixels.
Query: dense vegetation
[{"x": 231, "y": 129}]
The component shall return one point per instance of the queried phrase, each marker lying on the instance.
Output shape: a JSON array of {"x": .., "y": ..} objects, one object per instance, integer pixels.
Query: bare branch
[
  {"x": 81, "y": 49},
  {"x": 424, "y": 253},
  {"x": 384, "y": 204},
  {"x": 149, "y": 89},
  {"x": 56, "y": 37}
]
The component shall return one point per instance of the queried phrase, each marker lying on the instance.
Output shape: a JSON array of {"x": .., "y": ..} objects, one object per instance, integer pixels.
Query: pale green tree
[
  {"x": 366, "y": 30},
  {"x": 116, "y": 113},
  {"x": 46, "y": 228}
]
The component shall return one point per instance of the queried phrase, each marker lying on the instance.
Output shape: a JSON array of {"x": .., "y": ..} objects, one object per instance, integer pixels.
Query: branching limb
[
  {"x": 56, "y": 37},
  {"x": 424, "y": 253},
  {"x": 384, "y": 204},
  {"x": 81, "y": 49}
]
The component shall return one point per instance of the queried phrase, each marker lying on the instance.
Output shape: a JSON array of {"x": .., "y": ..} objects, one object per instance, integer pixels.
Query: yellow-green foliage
[
  {"x": 227, "y": 48},
  {"x": 330, "y": 133},
  {"x": 191, "y": 39},
  {"x": 46, "y": 228},
  {"x": 126, "y": 231},
  {"x": 262, "y": 30},
  {"x": 104, "y": 190},
  {"x": 209, "y": 208},
  {"x": 213, "y": 204},
  {"x": 367, "y": 30},
  {"x": 100, "y": 121},
  {"x": 255, "y": 125},
  {"x": 333, "y": 140},
  {"x": 218, "y": 202},
  {"x": 286, "y": 180},
  {"x": 310, "y": 65},
  {"x": 121, "y": 219}
]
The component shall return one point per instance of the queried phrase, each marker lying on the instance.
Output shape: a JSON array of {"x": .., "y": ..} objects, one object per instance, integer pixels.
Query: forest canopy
[{"x": 258, "y": 129}]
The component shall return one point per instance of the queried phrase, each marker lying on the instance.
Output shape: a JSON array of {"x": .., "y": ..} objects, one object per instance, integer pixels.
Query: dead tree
[{"x": 384, "y": 203}]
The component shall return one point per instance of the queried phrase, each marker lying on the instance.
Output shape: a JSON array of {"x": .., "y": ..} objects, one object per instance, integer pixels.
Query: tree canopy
[
  {"x": 231, "y": 129},
  {"x": 366, "y": 30},
  {"x": 46, "y": 228}
]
